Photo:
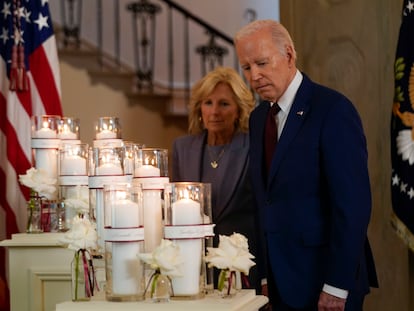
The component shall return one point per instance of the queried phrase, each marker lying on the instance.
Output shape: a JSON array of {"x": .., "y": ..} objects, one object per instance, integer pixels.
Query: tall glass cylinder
[
  {"x": 151, "y": 170},
  {"x": 45, "y": 143},
  {"x": 105, "y": 168},
  {"x": 73, "y": 179},
  {"x": 124, "y": 240},
  {"x": 187, "y": 223}
]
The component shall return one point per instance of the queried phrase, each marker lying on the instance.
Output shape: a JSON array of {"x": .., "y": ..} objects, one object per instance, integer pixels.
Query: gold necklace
[{"x": 215, "y": 162}]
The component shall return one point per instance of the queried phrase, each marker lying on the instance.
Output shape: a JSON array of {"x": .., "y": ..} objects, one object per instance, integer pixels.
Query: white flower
[
  {"x": 38, "y": 180},
  {"x": 82, "y": 235},
  {"x": 166, "y": 258},
  {"x": 232, "y": 254},
  {"x": 78, "y": 199}
]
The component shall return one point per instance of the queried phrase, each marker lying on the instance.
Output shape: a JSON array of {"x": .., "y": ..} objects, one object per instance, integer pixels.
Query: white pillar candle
[
  {"x": 152, "y": 205},
  {"x": 187, "y": 212},
  {"x": 45, "y": 132},
  {"x": 73, "y": 165},
  {"x": 67, "y": 135},
  {"x": 125, "y": 280},
  {"x": 125, "y": 268},
  {"x": 125, "y": 214},
  {"x": 105, "y": 134},
  {"x": 147, "y": 171},
  {"x": 109, "y": 169}
]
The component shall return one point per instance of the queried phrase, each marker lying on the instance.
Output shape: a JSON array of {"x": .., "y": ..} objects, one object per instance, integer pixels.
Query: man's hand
[{"x": 330, "y": 303}]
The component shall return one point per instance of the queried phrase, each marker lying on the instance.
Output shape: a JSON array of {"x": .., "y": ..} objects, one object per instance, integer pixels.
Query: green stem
[
  {"x": 76, "y": 274},
  {"x": 222, "y": 279},
  {"x": 32, "y": 205},
  {"x": 154, "y": 283}
]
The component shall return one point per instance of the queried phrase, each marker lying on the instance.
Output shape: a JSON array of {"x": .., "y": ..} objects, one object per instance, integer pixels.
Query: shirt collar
[{"x": 285, "y": 101}]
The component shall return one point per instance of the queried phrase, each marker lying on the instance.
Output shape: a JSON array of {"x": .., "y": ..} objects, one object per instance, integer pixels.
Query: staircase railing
[{"x": 164, "y": 38}]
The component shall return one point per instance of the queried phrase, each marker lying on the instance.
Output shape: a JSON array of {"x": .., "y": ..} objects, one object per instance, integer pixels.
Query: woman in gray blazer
[{"x": 216, "y": 152}]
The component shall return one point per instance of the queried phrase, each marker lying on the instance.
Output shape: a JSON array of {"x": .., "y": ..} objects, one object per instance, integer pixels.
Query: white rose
[
  {"x": 38, "y": 180},
  {"x": 165, "y": 257},
  {"x": 82, "y": 235},
  {"x": 232, "y": 253}
]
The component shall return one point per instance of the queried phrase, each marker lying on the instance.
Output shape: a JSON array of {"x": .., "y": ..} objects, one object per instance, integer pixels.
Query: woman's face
[{"x": 219, "y": 110}]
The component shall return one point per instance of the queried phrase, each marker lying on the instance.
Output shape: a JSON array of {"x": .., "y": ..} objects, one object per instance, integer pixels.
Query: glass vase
[
  {"x": 160, "y": 287},
  {"x": 34, "y": 214},
  {"x": 229, "y": 283}
]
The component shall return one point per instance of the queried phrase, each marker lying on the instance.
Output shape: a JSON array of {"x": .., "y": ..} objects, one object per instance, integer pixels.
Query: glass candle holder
[
  {"x": 108, "y": 161},
  {"x": 187, "y": 224},
  {"x": 69, "y": 128},
  {"x": 124, "y": 240},
  {"x": 108, "y": 128},
  {"x": 129, "y": 158},
  {"x": 151, "y": 162},
  {"x": 73, "y": 159},
  {"x": 45, "y": 126}
]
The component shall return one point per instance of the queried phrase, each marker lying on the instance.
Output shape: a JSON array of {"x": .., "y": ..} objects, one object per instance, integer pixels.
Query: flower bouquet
[
  {"x": 41, "y": 186},
  {"x": 165, "y": 260},
  {"x": 231, "y": 256},
  {"x": 82, "y": 238}
]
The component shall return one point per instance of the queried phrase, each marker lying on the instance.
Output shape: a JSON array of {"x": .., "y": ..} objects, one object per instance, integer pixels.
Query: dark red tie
[{"x": 270, "y": 138}]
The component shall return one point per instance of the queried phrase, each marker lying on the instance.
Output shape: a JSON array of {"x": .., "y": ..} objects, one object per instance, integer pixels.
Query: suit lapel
[{"x": 297, "y": 115}]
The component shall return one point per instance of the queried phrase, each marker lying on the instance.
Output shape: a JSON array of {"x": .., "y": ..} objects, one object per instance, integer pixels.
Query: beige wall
[{"x": 143, "y": 121}]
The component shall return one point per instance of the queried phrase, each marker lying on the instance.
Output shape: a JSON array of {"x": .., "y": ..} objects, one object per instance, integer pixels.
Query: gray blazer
[{"x": 237, "y": 213}]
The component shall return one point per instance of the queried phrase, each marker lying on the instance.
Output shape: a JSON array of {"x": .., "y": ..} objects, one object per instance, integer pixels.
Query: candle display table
[
  {"x": 246, "y": 300},
  {"x": 40, "y": 280},
  {"x": 39, "y": 271}
]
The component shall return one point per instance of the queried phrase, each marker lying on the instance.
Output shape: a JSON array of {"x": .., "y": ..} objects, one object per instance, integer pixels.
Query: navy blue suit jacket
[{"x": 315, "y": 205}]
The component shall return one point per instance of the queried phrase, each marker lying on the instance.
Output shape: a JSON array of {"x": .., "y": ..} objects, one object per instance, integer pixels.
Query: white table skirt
[{"x": 246, "y": 300}]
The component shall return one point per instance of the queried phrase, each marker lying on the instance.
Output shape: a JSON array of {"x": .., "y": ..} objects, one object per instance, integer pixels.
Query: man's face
[{"x": 267, "y": 70}]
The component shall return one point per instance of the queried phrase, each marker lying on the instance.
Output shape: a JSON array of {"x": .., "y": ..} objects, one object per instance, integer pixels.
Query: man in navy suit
[{"x": 314, "y": 201}]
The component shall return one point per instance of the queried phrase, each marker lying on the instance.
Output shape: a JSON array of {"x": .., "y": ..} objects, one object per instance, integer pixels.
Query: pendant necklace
[{"x": 215, "y": 162}]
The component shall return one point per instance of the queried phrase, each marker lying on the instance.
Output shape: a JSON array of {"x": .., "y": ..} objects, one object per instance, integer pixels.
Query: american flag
[
  {"x": 402, "y": 130},
  {"x": 29, "y": 85}
]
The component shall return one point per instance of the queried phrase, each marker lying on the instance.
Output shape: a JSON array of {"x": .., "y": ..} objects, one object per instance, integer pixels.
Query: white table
[{"x": 246, "y": 300}]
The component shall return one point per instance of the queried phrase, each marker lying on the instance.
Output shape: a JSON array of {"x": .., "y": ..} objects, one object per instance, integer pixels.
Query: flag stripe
[
  {"x": 17, "y": 106},
  {"x": 45, "y": 82}
]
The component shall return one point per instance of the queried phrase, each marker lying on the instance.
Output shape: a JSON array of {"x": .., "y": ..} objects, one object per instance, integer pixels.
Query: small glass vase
[
  {"x": 34, "y": 214},
  {"x": 161, "y": 287},
  {"x": 229, "y": 284},
  {"x": 83, "y": 279}
]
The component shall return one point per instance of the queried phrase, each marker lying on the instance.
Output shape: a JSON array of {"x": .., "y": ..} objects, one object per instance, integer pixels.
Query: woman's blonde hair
[{"x": 204, "y": 87}]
